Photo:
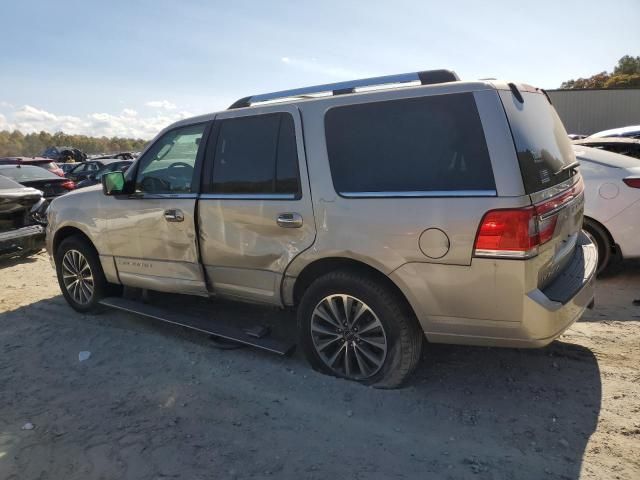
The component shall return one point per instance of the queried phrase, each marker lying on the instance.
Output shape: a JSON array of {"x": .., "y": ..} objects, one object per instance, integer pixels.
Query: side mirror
[{"x": 113, "y": 183}]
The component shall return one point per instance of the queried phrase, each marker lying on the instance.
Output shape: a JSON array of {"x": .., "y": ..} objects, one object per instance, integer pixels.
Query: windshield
[
  {"x": 541, "y": 141},
  {"x": 21, "y": 173}
]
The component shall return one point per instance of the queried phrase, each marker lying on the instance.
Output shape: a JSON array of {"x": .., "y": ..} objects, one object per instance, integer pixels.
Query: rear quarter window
[{"x": 420, "y": 145}]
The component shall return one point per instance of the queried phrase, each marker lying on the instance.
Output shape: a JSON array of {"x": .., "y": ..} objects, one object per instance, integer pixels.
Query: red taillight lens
[
  {"x": 510, "y": 233},
  {"x": 633, "y": 182},
  {"x": 516, "y": 233},
  {"x": 69, "y": 185}
]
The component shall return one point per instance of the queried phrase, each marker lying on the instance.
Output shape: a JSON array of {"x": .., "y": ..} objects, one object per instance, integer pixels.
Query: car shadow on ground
[{"x": 153, "y": 399}]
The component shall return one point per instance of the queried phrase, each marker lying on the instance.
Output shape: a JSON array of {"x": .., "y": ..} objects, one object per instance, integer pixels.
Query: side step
[{"x": 196, "y": 323}]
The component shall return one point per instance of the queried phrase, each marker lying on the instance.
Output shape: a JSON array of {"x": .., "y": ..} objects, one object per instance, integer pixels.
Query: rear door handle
[
  {"x": 173, "y": 215},
  {"x": 289, "y": 220}
]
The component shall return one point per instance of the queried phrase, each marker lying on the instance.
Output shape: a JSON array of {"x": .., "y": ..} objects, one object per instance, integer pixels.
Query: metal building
[{"x": 588, "y": 111}]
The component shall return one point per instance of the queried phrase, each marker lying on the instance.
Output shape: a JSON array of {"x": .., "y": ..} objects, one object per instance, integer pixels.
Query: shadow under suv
[{"x": 385, "y": 210}]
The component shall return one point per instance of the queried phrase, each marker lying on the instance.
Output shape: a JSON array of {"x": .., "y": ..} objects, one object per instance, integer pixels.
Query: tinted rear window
[
  {"x": 542, "y": 143},
  {"x": 427, "y": 144},
  {"x": 27, "y": 173}
]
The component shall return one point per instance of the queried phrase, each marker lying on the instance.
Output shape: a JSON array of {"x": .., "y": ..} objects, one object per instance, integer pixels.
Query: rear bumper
[
  {"x": 499, "y": 312},
  {"x": 549, "y": 312},
  {"x": 21, "y": 240}
]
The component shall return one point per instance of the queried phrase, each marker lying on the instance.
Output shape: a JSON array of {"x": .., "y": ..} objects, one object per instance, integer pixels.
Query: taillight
[
  {"x": 633, "y": 182},
  {"x": 518, "y": 232},
  {"x": 508, "y": 233},
  {"x": 69, "y": 185}
]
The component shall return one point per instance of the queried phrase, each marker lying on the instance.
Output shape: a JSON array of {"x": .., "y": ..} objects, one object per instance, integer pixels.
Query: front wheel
[
  {"x": 356, "y": 328},
  {"x": 80, "y": 274}
]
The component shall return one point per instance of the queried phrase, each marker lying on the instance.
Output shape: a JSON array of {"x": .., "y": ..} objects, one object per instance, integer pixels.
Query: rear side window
[
  {"x": 542, "y": 143},
  {"x": 256, "y": 155},
  {"x": 418, "y": 145}
]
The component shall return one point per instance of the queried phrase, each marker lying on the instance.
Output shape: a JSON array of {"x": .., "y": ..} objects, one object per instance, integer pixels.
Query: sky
[{"x": 130, "y": 68}]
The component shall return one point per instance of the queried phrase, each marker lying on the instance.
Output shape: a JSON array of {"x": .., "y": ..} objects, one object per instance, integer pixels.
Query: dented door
[{"x": 251, "y": 225}]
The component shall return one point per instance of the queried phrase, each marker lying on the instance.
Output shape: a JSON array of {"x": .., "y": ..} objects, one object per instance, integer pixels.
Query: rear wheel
[
  {"x": 355, "y": 328},
  {"x": 80, "y": 274},
  {"x": 600, "y": 238}
]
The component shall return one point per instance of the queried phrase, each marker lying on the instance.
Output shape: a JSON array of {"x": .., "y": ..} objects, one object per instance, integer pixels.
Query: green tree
[
  {"x": 18, "y": 144},
  {"x": 626, "y": 74}
]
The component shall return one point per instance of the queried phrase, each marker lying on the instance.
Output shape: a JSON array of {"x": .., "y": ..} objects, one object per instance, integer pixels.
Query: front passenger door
[{"x": 152, "y": 232}]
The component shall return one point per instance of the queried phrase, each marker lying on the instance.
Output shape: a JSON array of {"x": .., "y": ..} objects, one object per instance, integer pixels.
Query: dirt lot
[{"x": 155, "y": 401}]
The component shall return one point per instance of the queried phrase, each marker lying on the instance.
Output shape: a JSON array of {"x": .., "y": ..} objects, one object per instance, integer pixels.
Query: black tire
[
  {"x": 399, "y": 327},
  {"x": 600, "y": 237},
  {"x": 101, "y": 288}
]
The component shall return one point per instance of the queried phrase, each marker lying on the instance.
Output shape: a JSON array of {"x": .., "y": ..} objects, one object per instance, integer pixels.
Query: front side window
[
  {"x": 169, "y": 166},
  {"x": 256, "y": 156},
  {"x": 409, "y": 146}
]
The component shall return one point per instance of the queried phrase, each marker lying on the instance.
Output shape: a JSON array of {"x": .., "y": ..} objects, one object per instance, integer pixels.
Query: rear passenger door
[{"x": 255, "y": 213}]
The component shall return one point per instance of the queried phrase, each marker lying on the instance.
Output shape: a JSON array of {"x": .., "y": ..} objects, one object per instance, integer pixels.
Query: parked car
[
  {"x": 67, "y": 167},
  {"x": 119, "y": 156},
  {"x": 95, "y": 178},
  {"x": 81, "y": 171},
  {"x": 45, "y": 163},
  {"x": 59, "y": 154},
  {"x": 632, "y": 132},
  {"x": 383, "y": 216},
  {"x": 621, "y": 145},
  {"x": 612, "y": 210},
  {"x": 20, "y": 232},
  {"x": 50, "y": 184}
]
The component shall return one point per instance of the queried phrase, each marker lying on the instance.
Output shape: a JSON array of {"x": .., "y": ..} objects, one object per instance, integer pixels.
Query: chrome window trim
[
  {"x": 249, "y": 196},
  {"x": 550, "y": 192},
  {"x": 417, "y": 194},
  {"x": 143, "y": 196}
]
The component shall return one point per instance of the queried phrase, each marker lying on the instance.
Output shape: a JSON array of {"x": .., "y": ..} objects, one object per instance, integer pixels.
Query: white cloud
[
  {"x": 313, "y": 66},
  {"x": 128, "y": 123},
  {"x": 165, "y": 104},
  {"x": 4, "y": 104}
]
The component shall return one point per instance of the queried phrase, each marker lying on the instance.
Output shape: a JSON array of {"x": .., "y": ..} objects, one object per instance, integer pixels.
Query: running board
[{"x": 196, "y": 323}]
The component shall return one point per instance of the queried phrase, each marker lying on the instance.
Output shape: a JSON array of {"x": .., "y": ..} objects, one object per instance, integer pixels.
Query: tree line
[
  {"x": 31, "y": 144},
  {"x": 626, "y": 74}
]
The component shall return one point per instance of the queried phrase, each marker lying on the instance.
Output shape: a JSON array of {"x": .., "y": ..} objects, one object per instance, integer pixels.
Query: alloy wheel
[
  {"x": 77, "y": 277},
  {"x": 348, "y": 336}
]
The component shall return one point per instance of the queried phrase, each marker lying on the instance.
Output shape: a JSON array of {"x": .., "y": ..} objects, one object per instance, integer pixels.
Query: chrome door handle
[
  {"x": 289, "y": 220},
  {"x": 174, "y": 215}
]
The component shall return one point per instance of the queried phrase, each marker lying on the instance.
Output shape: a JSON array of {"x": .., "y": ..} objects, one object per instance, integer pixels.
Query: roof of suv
[{"x": 445, "y": 81}]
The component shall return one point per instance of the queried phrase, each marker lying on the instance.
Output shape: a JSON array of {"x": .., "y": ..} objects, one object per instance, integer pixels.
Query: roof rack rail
[{"x": 426, "y": 77}]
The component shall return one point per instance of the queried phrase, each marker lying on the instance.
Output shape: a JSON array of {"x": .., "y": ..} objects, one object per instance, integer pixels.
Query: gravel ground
[{"x": 155, "y": 401}]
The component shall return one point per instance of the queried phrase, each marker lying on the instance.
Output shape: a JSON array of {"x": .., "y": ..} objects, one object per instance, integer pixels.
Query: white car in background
[
  {"x": 612, "y": 202},
  {"x": 631, "y": 132}
]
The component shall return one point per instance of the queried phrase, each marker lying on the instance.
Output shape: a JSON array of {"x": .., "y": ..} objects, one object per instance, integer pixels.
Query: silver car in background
[{"x": 612, "y": 205}]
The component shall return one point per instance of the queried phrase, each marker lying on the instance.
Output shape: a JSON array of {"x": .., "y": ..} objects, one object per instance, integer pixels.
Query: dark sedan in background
[
  {"x": 95, "y": 178},
  {"x": 49, "y": 183}
]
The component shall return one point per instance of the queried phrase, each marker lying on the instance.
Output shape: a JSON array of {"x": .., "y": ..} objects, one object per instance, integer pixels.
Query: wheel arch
[
  {"x": 588, "y": 219},
  {"x": 66, "y": 232},
  {"x": 323, "y": 266}
]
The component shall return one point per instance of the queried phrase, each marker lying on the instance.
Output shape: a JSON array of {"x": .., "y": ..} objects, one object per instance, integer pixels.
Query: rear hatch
[{"x": 550, "y": 177}]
